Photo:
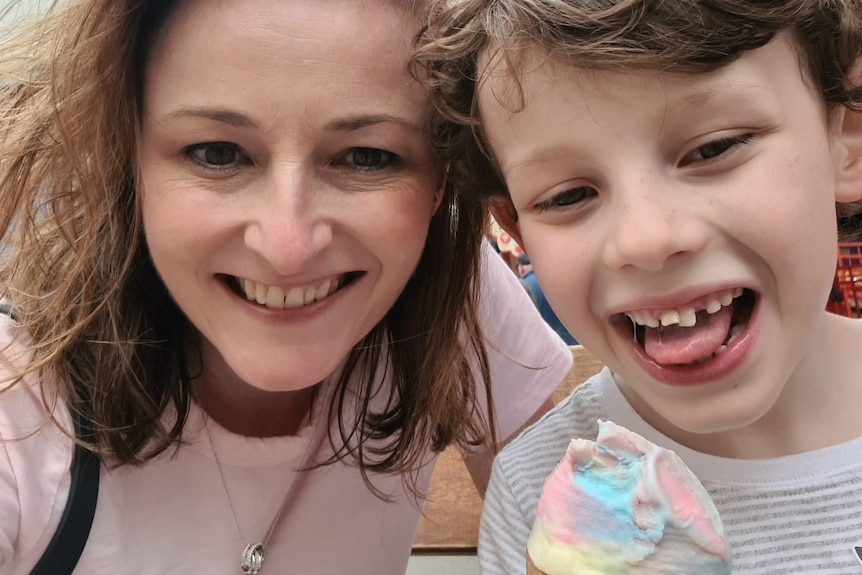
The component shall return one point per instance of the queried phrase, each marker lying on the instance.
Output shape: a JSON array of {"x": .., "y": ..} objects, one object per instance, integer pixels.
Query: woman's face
[{"x": 287, "y": 180}]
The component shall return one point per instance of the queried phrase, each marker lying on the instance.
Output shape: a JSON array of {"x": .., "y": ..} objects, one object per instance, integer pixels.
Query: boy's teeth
[
  {"x": 670, "y": 317},
  {"x": 735, "y": 332},
  {"x": 642, "y": 318},
  {"x": 687, "y": 318}
]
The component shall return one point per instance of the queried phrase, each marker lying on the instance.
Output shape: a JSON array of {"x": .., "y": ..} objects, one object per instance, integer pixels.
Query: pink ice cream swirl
[{"x": 624, "y": 506}]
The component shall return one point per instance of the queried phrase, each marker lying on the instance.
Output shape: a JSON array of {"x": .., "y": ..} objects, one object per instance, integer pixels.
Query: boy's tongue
[{"x": 678, "y": 345}]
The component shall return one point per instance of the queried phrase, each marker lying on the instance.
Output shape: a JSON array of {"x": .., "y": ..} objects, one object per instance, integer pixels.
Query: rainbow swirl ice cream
[{"x": 624, "y": 506}]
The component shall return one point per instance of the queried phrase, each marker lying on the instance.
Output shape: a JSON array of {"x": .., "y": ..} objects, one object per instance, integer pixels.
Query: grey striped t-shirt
[{"x": 793, "y": 515}]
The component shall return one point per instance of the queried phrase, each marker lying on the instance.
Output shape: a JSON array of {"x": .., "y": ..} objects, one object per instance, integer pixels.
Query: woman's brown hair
[
  {"x": 105, "y": 330},
  {"x": 679, "y": 36}
]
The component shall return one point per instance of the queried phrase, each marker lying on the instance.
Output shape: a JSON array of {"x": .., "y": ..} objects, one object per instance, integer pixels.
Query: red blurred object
[{"x": 846, "y": 298}]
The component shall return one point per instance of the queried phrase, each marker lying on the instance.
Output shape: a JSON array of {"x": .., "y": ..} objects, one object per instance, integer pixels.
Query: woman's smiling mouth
[{"x": 276, "y": 297}]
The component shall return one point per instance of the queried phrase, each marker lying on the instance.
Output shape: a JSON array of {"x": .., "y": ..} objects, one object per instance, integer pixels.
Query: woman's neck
[
  {"x": 247, "y": 410},
  {"x": 253, "y": 412}
]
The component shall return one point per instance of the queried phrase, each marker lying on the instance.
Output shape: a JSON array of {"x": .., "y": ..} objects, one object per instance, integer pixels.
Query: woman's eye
[
  {"x": 370, "y": 158},
  {"x": 217, "y": 155},
  {"x": 567, "y": 198},
  {"x": 716, "y": 148}
]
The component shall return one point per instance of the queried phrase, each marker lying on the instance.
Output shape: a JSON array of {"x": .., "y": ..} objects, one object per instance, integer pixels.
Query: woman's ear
[
  {"x": 505, "y": 214},
  {"x": 440, "y": 191},
  {"x": 439, "y": 194}
]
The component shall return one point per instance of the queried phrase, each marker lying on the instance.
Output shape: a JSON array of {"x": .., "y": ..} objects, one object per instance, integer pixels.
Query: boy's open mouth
[{"x": 694, "y": 333}]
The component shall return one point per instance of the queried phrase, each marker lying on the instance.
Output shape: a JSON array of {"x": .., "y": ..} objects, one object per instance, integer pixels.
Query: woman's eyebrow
[
  {"x": 224, "y": 116},
  {"x": 354, "y": 123}
]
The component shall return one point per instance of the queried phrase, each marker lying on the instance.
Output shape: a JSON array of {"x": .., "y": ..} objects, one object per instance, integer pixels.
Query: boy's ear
[
  {"x": 505, "y": 214},
  {"x": 849, "y": 185}
]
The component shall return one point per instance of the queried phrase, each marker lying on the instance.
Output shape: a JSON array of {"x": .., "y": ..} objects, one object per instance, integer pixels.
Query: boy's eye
[
  {"x": 715, "y": 148},
  {"x": 567, "y": 198},
  {"x": 217, "y": 155},
  {"x": 370, "y": 158}
]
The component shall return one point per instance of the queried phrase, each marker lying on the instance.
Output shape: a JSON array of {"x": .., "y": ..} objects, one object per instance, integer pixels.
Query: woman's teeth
[
  {"x": 684, "y": 317},
  {"x": 277, "y": 298}
]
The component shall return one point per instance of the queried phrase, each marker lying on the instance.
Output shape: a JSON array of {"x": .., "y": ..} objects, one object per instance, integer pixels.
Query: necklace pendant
[{"x": 252, "y": 559}]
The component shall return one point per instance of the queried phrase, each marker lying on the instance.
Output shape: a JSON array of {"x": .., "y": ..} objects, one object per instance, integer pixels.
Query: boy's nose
[
  {"x": 289, "y": 226},
  {"x": 652, "y": 227}
]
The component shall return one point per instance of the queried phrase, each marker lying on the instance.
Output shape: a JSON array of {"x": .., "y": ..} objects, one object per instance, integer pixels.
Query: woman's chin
[
  {"x": 283, "y": 381},
  {"x": 272, "y": 368}
]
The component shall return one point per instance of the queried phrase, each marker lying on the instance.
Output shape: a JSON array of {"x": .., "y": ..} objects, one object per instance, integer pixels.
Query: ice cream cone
[
  {"x": 621, "y": 505},
  {"x": 532, "y": 569}
]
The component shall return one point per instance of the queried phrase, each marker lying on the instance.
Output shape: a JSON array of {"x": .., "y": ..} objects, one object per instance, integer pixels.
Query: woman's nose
[{"x": 290, "y": 225}]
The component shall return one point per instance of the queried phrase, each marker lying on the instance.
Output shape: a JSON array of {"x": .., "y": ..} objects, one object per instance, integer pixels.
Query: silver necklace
[{"x": 251, "y": 560}]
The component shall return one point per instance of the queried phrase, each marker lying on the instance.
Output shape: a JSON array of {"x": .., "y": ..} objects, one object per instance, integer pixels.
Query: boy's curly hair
[{"x": 679, "y": 36}]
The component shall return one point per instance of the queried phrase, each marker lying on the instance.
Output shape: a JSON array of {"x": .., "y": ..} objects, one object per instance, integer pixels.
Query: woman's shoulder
[
  {"x": 35, "y": 454},
  {"x": 14, "y": 344},
  {"x": 525, "y": 463},
  {"x": 576, "y": 416},
  {"x": 21, "y": 397},
  {"x": 27, "y": 406}
]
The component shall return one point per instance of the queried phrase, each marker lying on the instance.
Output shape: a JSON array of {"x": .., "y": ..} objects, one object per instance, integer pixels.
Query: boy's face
[{"x": 704, "y": 201}]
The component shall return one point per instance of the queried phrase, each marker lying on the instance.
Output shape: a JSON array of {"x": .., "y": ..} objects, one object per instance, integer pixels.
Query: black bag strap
[{"x": 67, "y": 544}]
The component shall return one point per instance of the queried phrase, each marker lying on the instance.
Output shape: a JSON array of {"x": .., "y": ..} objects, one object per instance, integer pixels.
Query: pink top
[{"x": 172, "y": 515}]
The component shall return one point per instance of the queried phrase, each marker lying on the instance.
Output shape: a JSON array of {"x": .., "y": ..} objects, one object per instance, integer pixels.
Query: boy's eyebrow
[
  {"x": 738, "y": 95},
  {"x": 700, "y": 98},
  {"x": 542, "y": 156},
  {"x": 705, "y": 95}
]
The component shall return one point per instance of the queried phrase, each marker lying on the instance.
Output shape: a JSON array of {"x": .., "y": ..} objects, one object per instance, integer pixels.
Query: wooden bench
[{"x": 451, "y": 522}]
